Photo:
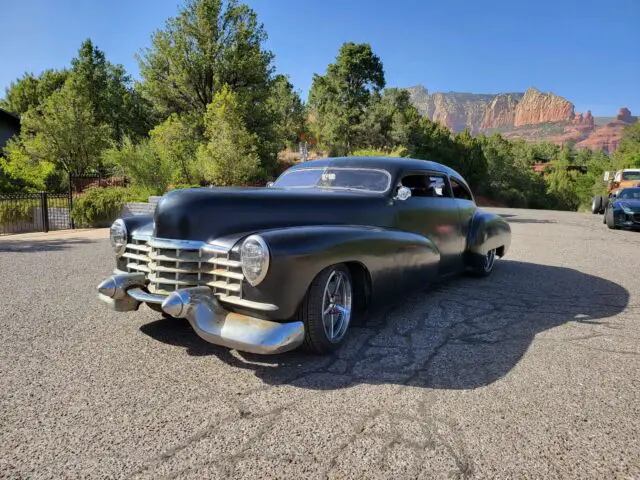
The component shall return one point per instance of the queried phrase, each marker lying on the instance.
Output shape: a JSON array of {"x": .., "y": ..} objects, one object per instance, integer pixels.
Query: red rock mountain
[{"x": 532, "y": 115}]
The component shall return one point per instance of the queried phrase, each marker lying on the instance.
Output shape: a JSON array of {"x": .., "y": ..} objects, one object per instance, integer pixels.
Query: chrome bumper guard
[{"x": 125, "y": 292}]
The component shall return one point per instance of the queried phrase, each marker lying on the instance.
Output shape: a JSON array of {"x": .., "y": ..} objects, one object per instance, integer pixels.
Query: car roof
[{"x": 392, "y": 164}]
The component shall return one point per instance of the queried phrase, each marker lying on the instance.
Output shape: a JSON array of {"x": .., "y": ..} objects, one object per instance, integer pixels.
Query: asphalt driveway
[{"x": 534, "y": 372}]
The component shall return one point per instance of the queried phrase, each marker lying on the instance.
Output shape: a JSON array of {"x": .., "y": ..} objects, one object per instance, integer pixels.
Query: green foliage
[
  {"x": 30, "y": 91},
  {"x": 175, "y": 142},
  {"x": 628, "y": 153},
  {"x": 141, "y": 162},
  {"x": 339, "y": 99},
  {"x": 288, "y": 112},
  {"x": 16, "y": 211},
  {"x": 110, "y": 91},
  {"x": 100, "y": 206},
  {"x": 22, "y": 173},
  {"x": 230, "y": 157},
  {"x": 212, "y": 43},
  {"x": 64, "y": 132}
]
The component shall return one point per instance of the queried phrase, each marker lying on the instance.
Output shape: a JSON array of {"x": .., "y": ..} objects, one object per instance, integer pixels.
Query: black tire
[
  {"x": 596, "y": 204},
  {"x": 604, "y": 217},
  {"x": 610, "y": 222},
  {"x": 482, "y": 265},
  {"x": 316, "y": 337},
  {"x": 605, "y": 204}
]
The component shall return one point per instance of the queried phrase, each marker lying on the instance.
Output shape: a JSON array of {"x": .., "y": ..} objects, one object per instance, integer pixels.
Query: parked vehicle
[
  {"x": 623, "y": 209},
  {"x": 629, "y": 177},
  {"x": 266, "y": 270}
]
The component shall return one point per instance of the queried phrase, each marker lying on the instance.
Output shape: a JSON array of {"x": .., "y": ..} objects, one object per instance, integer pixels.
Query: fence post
[
  {"x": 71, "y": 201},
  {"x": 44, "y": 207}
]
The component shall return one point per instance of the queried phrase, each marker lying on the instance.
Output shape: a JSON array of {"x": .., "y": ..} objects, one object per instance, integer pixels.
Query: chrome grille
[{"x": 173, "y": 264}]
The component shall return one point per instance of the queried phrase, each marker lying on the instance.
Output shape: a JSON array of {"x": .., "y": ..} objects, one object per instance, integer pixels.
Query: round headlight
[
  {"x": 254, "y": 255},
  {"x": 118, "y": 236}
]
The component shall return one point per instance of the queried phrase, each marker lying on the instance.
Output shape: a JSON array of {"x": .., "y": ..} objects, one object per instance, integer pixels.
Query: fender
[
  {"x": 488, "y": 231},
  {"x": 394, "y": 261}
]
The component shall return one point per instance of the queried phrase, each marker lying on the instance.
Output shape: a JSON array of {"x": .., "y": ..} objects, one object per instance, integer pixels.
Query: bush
[
  {"x": 179, "y": 186},
  {"x": 513, "y": 198},
  {"x": 98, "y": 207},
  {"x": 15, "y": 211}
]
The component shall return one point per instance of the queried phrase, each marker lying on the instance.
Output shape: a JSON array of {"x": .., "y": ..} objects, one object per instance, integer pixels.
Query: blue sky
[{"x": 585, "y": 50}]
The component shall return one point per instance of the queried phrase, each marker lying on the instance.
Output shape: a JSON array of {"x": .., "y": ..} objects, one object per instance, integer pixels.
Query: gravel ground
[{"x": 533, "y": 372}]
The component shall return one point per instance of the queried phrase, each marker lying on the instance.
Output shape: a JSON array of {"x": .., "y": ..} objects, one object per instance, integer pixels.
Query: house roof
[{"x": 10, "y": 117}]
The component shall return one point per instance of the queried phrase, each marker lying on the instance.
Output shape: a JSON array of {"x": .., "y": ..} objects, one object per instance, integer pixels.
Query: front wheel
[
  {"x": 326, "y": 310},
  {"x": 482, "y": 265}
]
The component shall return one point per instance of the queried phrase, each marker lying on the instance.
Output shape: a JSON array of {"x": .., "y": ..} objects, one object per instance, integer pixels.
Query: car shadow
[
  {"x": 21, "y": 246},
  {"x": 463, "y": 333}
]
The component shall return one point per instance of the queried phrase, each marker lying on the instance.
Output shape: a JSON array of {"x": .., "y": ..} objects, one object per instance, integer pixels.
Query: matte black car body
[
  {"x": 362, "y": 232},
  {"x": 391, "y": 246},
  {"x": 623, "y": 209}
]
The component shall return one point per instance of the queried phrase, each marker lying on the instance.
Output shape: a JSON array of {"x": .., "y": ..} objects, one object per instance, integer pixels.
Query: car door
[
  {"x": 432, "y": 211},
  {"x": 466, "y": 208}
]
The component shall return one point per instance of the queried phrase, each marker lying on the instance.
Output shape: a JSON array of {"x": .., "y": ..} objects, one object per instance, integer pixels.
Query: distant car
[
  {"x": 623, "y": 209},
  {"x": 629, "y": 177},
  {"x": 265, "y": 270}
]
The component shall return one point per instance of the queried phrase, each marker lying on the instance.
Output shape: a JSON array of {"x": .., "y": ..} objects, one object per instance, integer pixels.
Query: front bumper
[{"x": 209, "y": 319}]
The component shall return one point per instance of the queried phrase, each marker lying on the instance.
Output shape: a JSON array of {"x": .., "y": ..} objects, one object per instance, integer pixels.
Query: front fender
[
  {"x": 395, "y": 261},
  {"x": 488, "y": 231}
]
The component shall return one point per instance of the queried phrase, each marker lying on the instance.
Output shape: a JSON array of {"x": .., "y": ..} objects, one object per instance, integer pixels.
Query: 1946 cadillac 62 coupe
[{"x": 266, "y": 270}]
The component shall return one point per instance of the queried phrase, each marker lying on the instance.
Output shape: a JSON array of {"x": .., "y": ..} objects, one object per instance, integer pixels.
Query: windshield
[
  {"x": 335, "y": 178},
  {"x": 631, "y": 175},
  {"x": 630, "y": 194}
]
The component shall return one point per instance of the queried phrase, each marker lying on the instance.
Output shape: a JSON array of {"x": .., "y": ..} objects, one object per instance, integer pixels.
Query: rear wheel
[
  {"x": 605, "y": 204},
  {"x": 482, "y": 265},
  {"x": 596, "y": 204},
  {"x": 327, "y": 309}
]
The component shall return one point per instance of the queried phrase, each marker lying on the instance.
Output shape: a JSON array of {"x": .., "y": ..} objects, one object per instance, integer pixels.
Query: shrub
[
  {"x": 100, "y": 206},
  {"x": 15, "y": 211}
]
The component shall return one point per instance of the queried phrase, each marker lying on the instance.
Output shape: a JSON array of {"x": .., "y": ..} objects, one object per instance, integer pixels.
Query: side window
[
  {"x": 426, "y": 185},
  {"x": 460, "y": 190}
]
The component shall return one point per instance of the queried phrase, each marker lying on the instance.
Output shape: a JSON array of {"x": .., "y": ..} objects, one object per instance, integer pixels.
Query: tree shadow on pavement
[
  {"x": 464, "y": 333},
  {"x": 22, "y": 246}
]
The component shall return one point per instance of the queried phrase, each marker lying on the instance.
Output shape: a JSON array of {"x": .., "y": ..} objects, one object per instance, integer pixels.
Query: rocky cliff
[
  {"x": 537, "y": 107},
  {"x": 479, "y": 112}
]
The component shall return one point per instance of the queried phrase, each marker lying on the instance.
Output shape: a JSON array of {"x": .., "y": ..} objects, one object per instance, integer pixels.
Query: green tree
[
  {"x": 141, "y": 162},
  {"x": 288, "y": 112},
  {"x": 230, "y": 157},
  {"x": 209, "y": 44},
  {"x": 64, "y": 133},
  {"x": 30, "y": 91},
  {"x": 339, "y": 99},
  {"x": 176, "y": 142},
  {"x": 628, "y": 153},
  {"x": 110, "y": 90}
]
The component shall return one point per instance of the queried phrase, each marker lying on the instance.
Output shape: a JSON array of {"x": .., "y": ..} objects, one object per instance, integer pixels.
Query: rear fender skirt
[{"x": 488, "y": 231}]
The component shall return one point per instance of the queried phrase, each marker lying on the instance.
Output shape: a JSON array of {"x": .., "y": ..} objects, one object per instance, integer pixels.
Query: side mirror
[
  {"x": 403, "y": 193},
  {"x": 269, "y": 184}
]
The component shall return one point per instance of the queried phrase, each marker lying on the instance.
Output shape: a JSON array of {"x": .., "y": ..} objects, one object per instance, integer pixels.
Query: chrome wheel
[
  {"x": 336, "y": 306},
  {"x": 489, "y": 260}
]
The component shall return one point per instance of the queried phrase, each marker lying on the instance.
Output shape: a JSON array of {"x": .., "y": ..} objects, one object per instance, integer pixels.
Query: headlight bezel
[
  {"x": 248, "y": 274},
  {"x": 120, "y": 246}
]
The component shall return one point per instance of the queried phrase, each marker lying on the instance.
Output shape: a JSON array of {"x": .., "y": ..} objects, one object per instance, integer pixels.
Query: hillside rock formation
[
  {"x": 587, "y": 120},
  {"x": 607, "y": 137},
  {"x": 479, "y": 112},
  {"x": 537, "y": 107}
]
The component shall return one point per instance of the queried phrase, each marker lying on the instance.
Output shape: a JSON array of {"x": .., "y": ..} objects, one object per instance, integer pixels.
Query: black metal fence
[{"x": 34, "y": 212}]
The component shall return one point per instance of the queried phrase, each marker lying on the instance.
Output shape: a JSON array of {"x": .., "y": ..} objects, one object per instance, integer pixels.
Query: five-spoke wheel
[{"x": 327, "y": 309}]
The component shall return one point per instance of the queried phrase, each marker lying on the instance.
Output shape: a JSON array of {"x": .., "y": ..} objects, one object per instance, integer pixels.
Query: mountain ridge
[{"x": 532, "y": 115}]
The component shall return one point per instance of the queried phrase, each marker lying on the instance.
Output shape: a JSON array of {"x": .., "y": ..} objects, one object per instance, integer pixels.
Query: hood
[
  {"x": 631, "y": 204},
  {"x": 208, "y": 213}
]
